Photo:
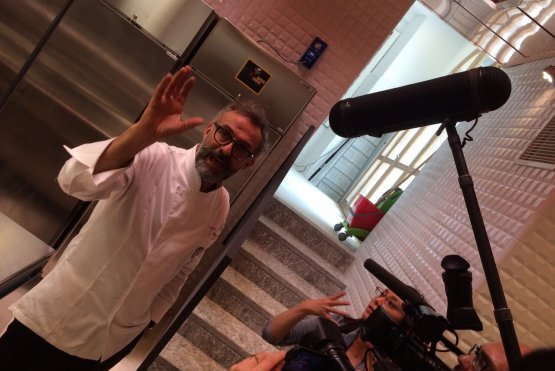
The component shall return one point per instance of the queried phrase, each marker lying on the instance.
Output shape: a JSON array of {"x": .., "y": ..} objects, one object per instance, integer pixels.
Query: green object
[
  {"x": 385, "y": 204},
  {"x": 359, "y": 233}
]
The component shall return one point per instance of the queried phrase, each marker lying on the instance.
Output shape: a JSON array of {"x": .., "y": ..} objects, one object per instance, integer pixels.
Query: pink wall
[{"x": 354, "y": 30}]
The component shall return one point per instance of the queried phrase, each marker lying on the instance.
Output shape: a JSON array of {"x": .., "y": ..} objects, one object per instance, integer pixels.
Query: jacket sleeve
[
  {"x": 294, "y": 336},
  {"x": 76, "y": 176}
]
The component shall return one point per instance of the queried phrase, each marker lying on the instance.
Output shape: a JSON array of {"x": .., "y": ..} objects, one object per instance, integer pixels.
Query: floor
[{"x": 308, "y": 201}]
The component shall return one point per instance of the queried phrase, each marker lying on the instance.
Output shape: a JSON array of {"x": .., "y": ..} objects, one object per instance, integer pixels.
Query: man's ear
[{"x": 207, "y": 130}]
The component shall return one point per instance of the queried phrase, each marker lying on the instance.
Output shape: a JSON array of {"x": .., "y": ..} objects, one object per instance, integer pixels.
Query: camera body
[
  {"x": 301, "y": 358},
  {"x": 408, "y": 351},
  {"x": 411, "y": 347},
  {"x": 321, "y": 349}
]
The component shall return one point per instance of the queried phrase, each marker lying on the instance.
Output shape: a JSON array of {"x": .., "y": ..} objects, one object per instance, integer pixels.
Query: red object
[{"x": 364, "y": 214}]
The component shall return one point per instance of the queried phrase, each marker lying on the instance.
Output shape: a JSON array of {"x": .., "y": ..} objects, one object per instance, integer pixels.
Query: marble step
[
  {"x": 220, "y": 335},
  {"x": 255, "y": 270},
  {"x": 282, "y": 280},
  {"x": 330, "y": 248},
  {"x": 296, "y": 256},
  {"x": 244, "y": 300},
  {"x": 181, "y": 355},
  {"x": 253, "y": 292}
]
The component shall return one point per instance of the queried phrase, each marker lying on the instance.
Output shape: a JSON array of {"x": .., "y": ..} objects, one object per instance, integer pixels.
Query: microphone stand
[{"x": 501, "y": 311}]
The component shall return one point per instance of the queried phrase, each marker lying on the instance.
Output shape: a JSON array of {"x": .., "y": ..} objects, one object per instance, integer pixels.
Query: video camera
[
  {"x": 412, "y": 347},
  {"x": 321, "y": 349}
]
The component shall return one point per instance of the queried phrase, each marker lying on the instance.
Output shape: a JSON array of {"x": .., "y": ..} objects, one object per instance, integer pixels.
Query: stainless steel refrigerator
[{"x": 77, "y": 71}]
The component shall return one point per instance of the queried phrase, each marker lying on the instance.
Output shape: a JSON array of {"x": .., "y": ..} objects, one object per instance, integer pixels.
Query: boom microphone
[
  {"x": 462, "y": 96},
  {"x": 393, "y": 283}
]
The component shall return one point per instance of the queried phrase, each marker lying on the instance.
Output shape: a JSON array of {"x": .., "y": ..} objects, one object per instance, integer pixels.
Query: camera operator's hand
[
  {"x": 323, "y": 307},
  {"x": 280, "y": 325},
  {"x": 263, "y": 361}
]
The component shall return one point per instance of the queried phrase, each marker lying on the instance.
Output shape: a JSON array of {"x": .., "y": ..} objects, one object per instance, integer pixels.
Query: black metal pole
[{"x": 501, "y": 311}]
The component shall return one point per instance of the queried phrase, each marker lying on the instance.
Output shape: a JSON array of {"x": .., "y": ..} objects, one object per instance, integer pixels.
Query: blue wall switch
[{"x": 313, "y": 52}]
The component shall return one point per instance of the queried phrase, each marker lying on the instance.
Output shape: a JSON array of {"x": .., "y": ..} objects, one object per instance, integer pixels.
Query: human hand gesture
[
  {"x": 325, "y": 306},
  {"x": 162, "y": 116},
  {"x": 263, "y": 361}
]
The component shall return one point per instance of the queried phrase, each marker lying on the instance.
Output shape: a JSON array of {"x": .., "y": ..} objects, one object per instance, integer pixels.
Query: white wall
[
  {"x": 433, "y": 51},
  {"x": 430, "y": 219}
]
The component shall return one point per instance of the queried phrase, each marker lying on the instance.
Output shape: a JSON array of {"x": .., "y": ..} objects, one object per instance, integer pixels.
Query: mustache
[
  {"x": 226, "y": 160},
  {"x": 204, "y": 152}
]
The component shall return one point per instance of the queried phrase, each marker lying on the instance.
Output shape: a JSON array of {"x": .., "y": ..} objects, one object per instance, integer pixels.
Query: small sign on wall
[{"x": 253, "y": 76}]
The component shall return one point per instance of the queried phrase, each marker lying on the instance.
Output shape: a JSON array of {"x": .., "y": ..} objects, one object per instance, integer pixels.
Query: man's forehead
[
  {"x": 235, "y": 117},
  {"x": 241, "y": 126}
]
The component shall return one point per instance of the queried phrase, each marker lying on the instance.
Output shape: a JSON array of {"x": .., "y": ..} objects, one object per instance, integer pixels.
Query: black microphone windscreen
[
  {"x": 462, "y": 96},
  {"x": 402, "y": 290}
]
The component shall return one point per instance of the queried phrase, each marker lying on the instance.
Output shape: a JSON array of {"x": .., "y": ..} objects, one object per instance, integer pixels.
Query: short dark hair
[
  {"x": 420, "y": 300},
  {"x": 256, "y": 114}
]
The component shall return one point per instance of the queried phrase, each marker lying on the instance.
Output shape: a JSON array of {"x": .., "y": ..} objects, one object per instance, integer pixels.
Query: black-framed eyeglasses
[
  {"x": 480, "y": 362},
  {"x": 390, "y": 302},
  {"x": 238, "y": 150}
]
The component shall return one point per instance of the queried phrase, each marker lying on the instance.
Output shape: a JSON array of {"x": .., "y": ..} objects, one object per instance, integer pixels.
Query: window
[{"x": 398, "y": 163}]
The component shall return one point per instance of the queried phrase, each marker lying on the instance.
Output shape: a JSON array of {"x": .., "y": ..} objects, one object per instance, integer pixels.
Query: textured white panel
[{"x": 430, "y": 220}]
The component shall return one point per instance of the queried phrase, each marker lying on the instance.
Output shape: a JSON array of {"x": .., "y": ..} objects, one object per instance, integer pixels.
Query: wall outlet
[{"x": 313, "y": 52}]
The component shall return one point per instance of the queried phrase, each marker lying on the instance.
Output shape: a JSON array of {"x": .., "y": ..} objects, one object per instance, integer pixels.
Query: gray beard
[{"x": 206, "y": 173}]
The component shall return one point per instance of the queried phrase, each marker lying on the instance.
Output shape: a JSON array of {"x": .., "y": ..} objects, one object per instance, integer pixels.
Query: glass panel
[
  {"x": 392, "y": 143},
  {"x": 386, "y": 184},
  {"x": 427, "y": 134},
  {"x": 411, "y": 151},
  {"x": 401, "y": 145},
  {"x": 375, "y": 177},
  {"x": 353, "y": 194},
  {"x": 431, "y": 148}
]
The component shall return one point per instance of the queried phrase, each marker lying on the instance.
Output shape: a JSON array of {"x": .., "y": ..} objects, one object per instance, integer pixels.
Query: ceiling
[{"x": 512, "y": 32}]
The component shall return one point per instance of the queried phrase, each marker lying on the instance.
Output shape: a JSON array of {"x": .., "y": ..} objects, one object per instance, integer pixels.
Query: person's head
[
  {"x": 487, "y": 357},
  {"x": 231, "y": 142},
  {"x": 390, "y": 303}
]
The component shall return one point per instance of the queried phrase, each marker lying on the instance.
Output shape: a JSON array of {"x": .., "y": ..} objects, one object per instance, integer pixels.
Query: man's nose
[{"x": 227, "y": 148}]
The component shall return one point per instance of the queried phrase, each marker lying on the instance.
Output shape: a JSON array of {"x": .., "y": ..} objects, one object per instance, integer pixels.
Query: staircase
[{"x": 284, "y": 261}]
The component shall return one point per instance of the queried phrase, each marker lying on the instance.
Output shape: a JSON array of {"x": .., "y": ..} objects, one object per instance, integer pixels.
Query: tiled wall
[{"x": 430, "y": 220}]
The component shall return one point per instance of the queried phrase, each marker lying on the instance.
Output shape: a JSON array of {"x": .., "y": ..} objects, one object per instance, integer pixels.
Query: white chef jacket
[{"x": 128, "y": 263}]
